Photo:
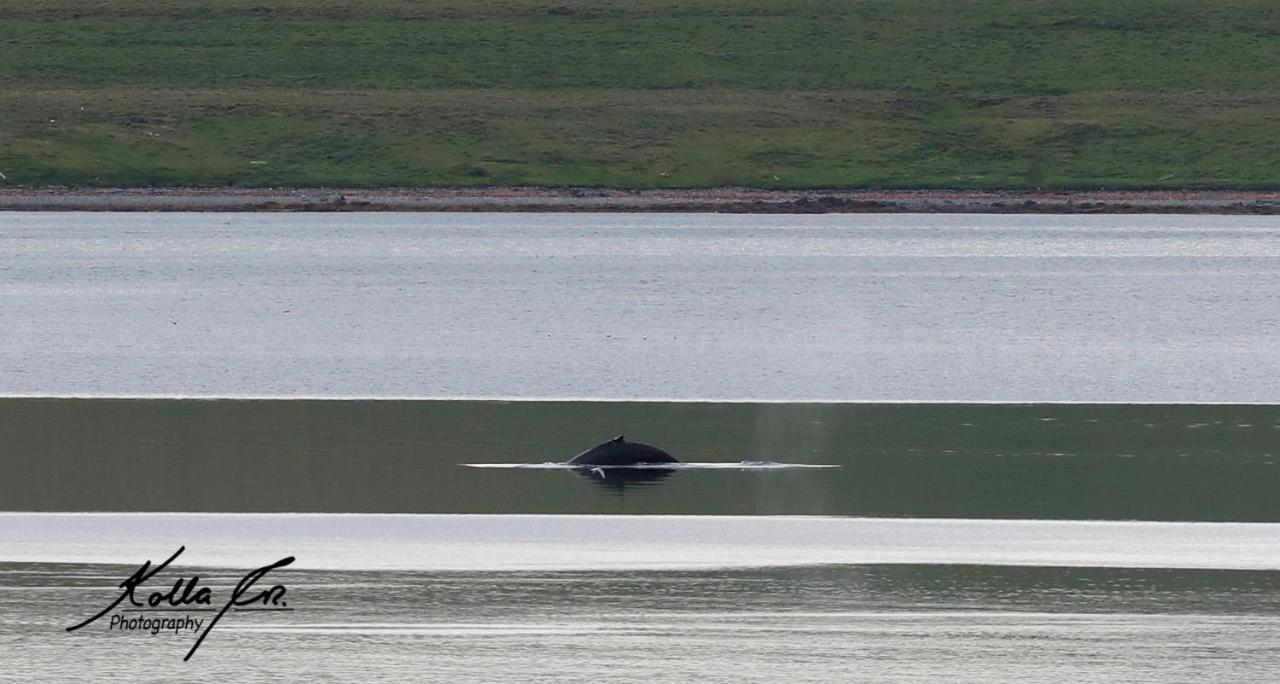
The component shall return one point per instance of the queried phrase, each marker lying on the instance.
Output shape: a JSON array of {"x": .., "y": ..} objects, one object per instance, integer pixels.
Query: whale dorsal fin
[{"x": 618, "y": 440}]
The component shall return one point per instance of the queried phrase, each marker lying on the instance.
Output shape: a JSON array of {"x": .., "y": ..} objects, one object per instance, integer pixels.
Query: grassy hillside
[{"x": 646, "y": 93}]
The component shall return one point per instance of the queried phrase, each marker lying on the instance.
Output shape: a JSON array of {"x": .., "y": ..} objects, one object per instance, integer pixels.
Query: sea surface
[
  {"x": 1052, "y": 461},
  {"x": 857, "y": 623},
  {"x": 1050, "y": 446},
  {"x": 962, "y": 542},
  {"x": 655, "y": 306}
]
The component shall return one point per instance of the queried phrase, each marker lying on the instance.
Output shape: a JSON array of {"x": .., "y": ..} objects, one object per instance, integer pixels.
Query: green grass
[{"x": 658, "y": 93}]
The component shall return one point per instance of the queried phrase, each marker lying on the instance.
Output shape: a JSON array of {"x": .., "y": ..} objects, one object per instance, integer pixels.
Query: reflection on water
[
  {"x": 620, "y": 479},
  {"x": 1147, "y": 462},
  {"x": 366, "y": 541},
  {"x": 838, "y": 623},
  {"x": 693, "y": 306}
]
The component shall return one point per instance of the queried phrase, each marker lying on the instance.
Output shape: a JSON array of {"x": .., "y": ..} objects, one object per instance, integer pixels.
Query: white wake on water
[{"x": 741, "y": 465}]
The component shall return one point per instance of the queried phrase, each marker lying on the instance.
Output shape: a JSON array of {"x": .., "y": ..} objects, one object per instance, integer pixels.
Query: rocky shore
[{"x": 727, "y": 200}]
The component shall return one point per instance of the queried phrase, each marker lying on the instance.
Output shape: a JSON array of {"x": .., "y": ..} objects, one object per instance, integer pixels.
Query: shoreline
[{"x": 702, "y": 200}]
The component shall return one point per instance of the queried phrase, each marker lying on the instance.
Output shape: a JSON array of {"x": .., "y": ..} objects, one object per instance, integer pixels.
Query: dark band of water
[{"x": 1148, "y": 462}]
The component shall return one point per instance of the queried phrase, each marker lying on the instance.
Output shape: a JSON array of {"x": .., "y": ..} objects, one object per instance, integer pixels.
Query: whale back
[{"x": 620, "y": 452}]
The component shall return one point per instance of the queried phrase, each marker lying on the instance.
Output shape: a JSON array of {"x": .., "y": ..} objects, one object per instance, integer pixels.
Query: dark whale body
[{"x": 620, "y": 452}]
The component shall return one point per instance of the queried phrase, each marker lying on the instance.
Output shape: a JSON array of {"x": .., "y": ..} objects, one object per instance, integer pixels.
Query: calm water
[
  {"x": 664, "y": 594},
  {"x": 972, "y": 542},
  {"x": 1114, "y": 462},
  {"x": 821, "y": 624},
  {"x": 924, "y": 307},
  {"x": 874, "y": 623}
]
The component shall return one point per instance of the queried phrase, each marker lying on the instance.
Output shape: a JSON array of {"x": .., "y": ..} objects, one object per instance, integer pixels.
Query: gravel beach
[{"x": 729, "y": 200}]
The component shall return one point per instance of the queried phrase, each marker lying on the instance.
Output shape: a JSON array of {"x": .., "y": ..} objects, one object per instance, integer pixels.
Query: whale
[
  {"x": 618, "y": 452},
  {"x": 619, "y": 464}
]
